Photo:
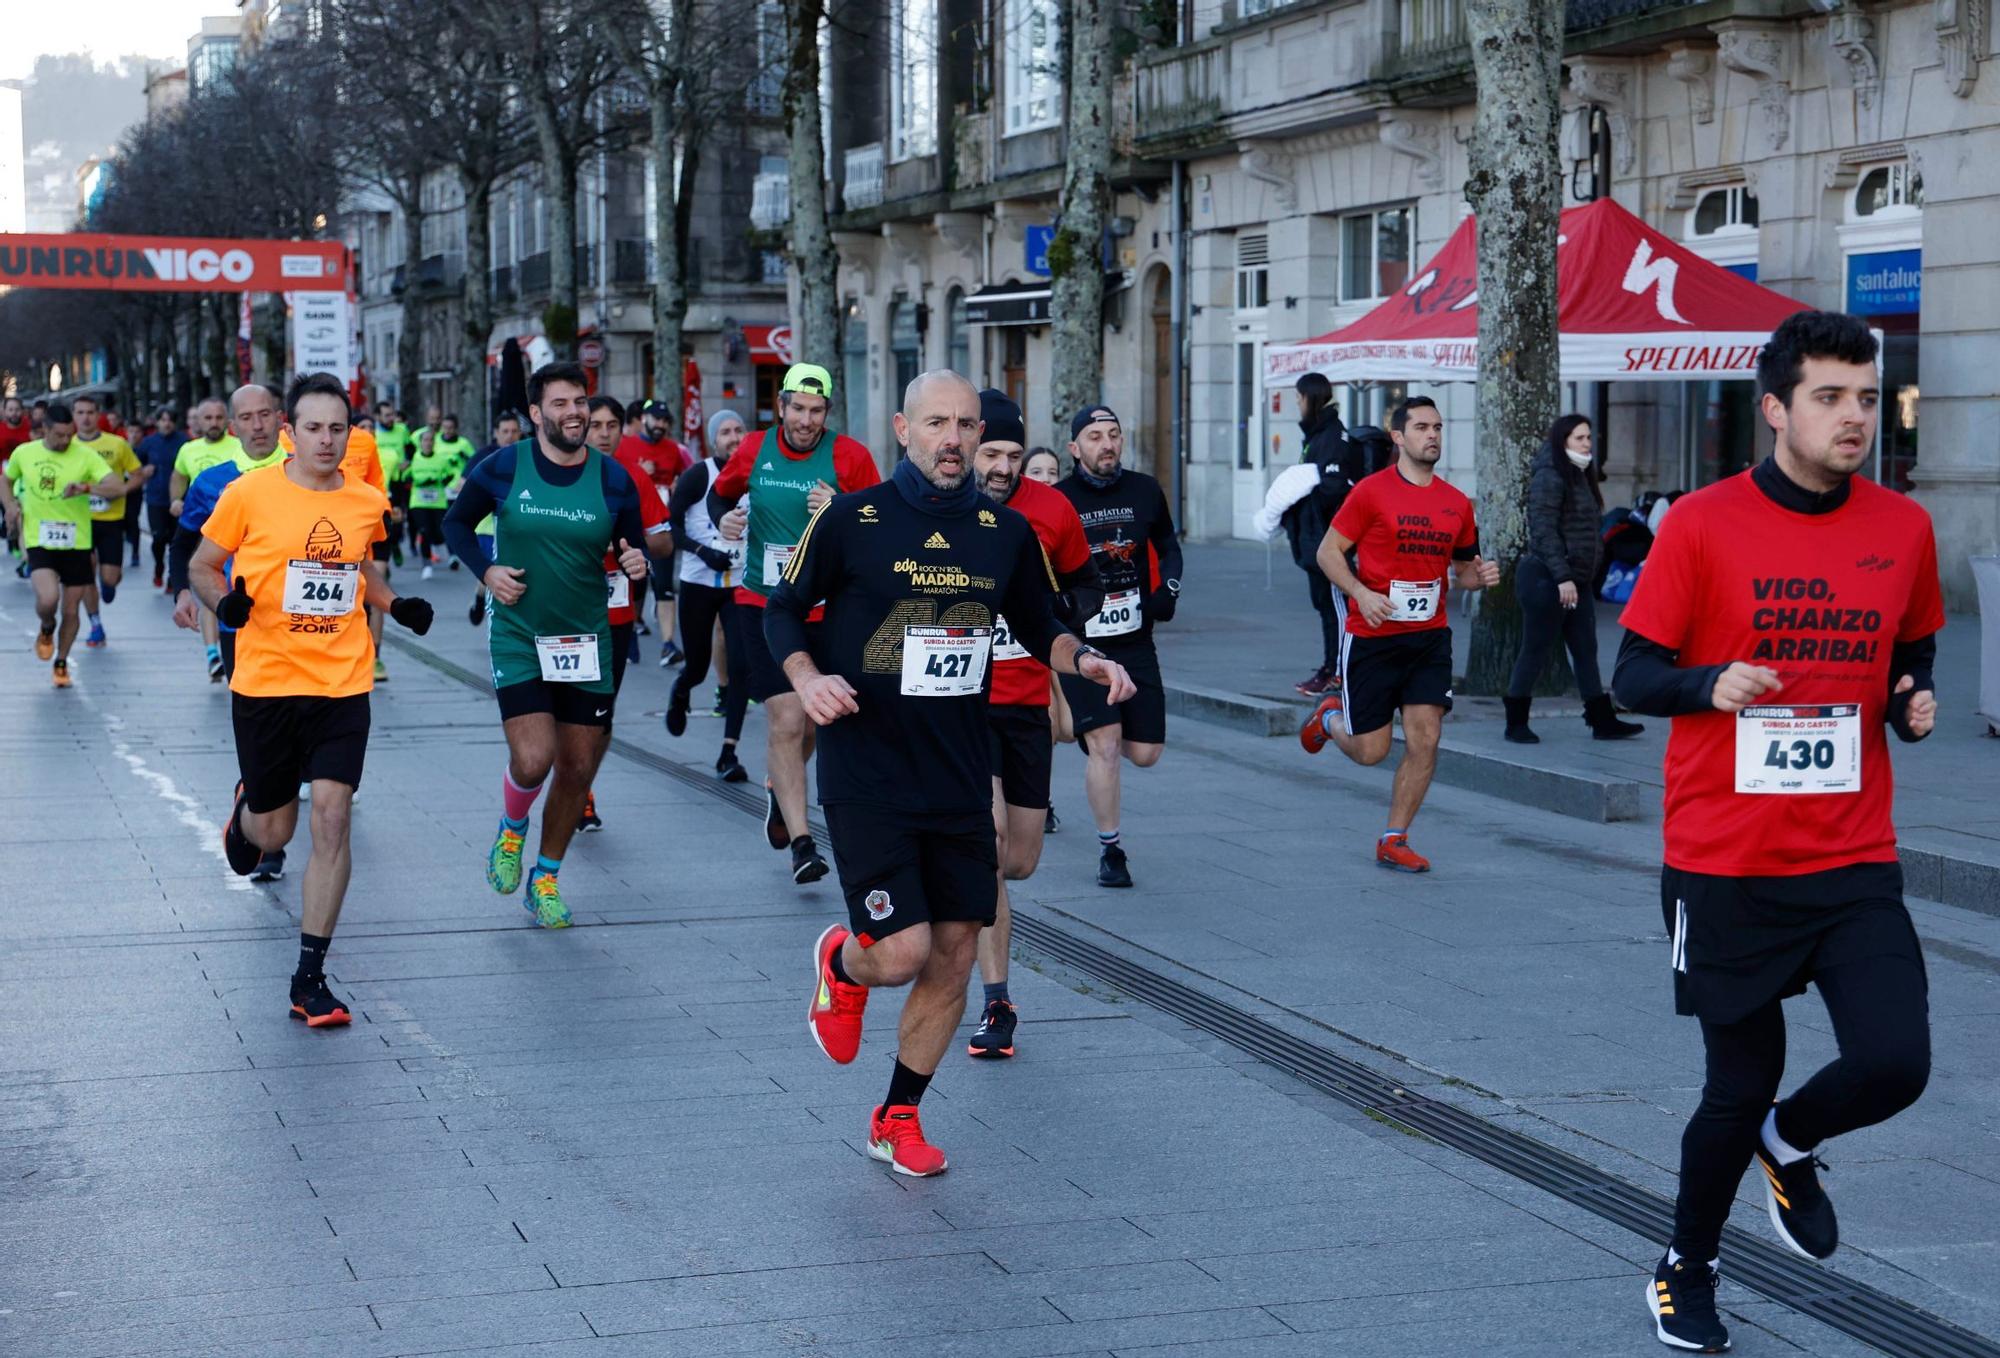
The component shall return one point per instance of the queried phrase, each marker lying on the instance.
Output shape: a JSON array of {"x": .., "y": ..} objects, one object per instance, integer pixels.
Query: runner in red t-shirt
[
  {"x": 1022, "y": 737},
  {"x": 650, "y": 454},
  {"x": 1409, "y": 529},
  {"x": 606, "y": 424},
  {"x": 1783, "y": 617}
]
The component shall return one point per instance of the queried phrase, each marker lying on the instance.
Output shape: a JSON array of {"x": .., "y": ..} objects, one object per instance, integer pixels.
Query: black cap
[
  {"x": 1002, "y": 417},
  {"x": 1088, "y": 416},
  {"x": 657, "y": 409}
]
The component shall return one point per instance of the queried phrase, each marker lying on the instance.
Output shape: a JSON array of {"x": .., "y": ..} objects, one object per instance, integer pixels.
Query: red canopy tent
[{"x": 1632, "y": 305}]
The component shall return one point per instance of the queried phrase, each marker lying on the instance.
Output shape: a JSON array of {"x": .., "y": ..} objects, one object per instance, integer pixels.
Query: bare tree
[
  {"x": 1516, "y": 191},
  {"x": 687, "y": 55},
  {"x": 1076, "y": 300},
  {"x": 817, "y": 331}
]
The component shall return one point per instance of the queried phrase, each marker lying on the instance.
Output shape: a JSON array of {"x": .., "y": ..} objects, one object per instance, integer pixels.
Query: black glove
[
  {"x": 713, "y": 558},
  {"x": 232, "y": 610},
  {"x": 1160, "y": 604},
  {"x": 413, "y": 613}
]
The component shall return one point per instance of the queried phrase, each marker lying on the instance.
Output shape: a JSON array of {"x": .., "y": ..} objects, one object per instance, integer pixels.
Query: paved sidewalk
[{"x": 616, "y": 1140}]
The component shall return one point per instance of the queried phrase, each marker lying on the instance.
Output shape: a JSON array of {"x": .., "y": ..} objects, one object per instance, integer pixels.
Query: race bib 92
[{"x": 1414, "y": 600}]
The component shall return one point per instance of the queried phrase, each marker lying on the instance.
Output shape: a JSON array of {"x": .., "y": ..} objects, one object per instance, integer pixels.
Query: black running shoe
[
  {"x": 721, "y": 708},
  {"x": 677, "y": 711},
  {"x": 1111, "y": 869},
  {"x": 674, "y": 655},
  {"x": 215, "y": 668},
  {"x": 730, "y": 769},
  {"x": 807, "y": 866},
  {"x": 243, "y": 856},
  {"x": 1051, "y": 825},
  {"x": 270, "y": 868},
  {"x": 1682, "y": 1300},
  {"x": 993, "y": 1039},
  {"x": 775, "y": 833},
  {"x": 589, "y": 821},
  {"x": 1800, "y": 1209},
  {"x": 475, "y": 613},
  {"x": 314, "y": 1003}
]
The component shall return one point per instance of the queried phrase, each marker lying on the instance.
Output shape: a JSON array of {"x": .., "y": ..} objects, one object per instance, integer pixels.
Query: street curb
[
  {"x": 1966, "y": 883},
  {"x": 1568, "y": 794}
]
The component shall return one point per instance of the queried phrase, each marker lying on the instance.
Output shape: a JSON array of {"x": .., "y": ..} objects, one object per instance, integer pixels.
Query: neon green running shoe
[
  {"x": 503, "y": 864},
  {"x": 544, "y": 900}
]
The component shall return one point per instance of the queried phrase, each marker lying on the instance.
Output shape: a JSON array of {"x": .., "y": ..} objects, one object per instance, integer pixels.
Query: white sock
[
  {"x": 1775, "y": 1144},
  {"x": 1673, "y": 1256}
]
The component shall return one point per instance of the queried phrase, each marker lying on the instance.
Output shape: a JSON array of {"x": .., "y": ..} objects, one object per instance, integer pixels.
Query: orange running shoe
[
  {"x": 834, "y": 1016},
  {"x": 59, "y": 674},
  {"x": 896, "y": 1136},
  {"x": 45, "y": 643},
  {"x": 1395, "y": 852},
  {"x": 1313, "y": 734}
]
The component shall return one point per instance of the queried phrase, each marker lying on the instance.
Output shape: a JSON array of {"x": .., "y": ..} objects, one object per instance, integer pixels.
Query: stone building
[{"x": 1844, "y": 156}]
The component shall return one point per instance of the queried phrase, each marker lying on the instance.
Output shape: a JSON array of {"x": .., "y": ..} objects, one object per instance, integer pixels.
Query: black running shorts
[
  {"x": 1738, "y": 943},
  {"x": 1023, "y": 748},
  {"x": 565, "y": 702},
  {"x": 1379, "y": 675},
  {"x": 621, "y": 653},
  {"x": 663, "y": 578},
  {"x": 159, "y": 523},
  {"x": 899, "y": 868},
  {"x": 72, "y": 565},
  {"x": 767, "y": 676},
  {"x": 1143, "y": 716},
  {"x": 107, "y": 539},
  {"x": 282, "y": 742}
]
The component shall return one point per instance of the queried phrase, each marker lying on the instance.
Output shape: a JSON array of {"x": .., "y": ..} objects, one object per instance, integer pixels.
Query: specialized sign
[
  {"x": 1886, "y": 283},
  {"x": 169, "y": 263},
  {"x": 1035, "y": 243},
  {"x": 323, "y": 334}
]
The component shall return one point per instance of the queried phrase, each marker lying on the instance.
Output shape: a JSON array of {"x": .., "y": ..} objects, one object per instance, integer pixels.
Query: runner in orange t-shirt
[{"x": 299, "y": 533}]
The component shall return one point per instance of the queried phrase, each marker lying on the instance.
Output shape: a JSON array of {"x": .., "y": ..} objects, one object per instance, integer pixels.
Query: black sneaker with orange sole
[
  {"x": 316, "y": 1005},
  {"x": 243, "y": 856},
  {"x": 993, "y": 1039}
]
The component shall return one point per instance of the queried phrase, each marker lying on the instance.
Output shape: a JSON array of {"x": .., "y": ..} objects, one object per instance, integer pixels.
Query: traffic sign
[{"x": 590, "y": 353}]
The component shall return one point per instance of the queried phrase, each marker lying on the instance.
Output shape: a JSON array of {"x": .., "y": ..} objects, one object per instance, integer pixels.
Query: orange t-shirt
[
  {"x": 363, "y": 458},
  {"x": 277, "y": 529}
]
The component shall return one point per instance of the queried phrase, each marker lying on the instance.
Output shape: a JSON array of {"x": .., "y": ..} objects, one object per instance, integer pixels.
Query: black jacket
[
  {"x": 1326, "y": 447},
  {"x": 1563, "y": 518}
]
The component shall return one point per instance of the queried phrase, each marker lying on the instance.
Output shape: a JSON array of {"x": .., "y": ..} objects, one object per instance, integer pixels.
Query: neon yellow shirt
[
  {"x": 198, "y": 455},
  {"x": 118, "y": 456},
  {"x": 48, "y": 517}
]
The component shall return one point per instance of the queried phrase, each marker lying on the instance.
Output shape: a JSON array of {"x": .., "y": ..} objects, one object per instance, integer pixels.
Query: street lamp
[{"x": 55, "y": 377}]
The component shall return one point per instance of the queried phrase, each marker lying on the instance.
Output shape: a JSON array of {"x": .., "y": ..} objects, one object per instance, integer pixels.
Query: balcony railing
[
  {"x": 631, "y": 261},
  {"x": 1180, "y": 91},
  {"x": 863, "y": 185},
  {"x": 1430, "y": 32},
  {"x": 501, "y": 285},
  {"x": 771, "y": 199},
  {"x": 534, "y": 274}
]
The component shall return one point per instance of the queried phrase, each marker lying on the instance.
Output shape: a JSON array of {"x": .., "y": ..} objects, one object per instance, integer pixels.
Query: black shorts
[
  {"x": 1738, "y": 943},
  {"x": 72, "y": 565},
  {"x": 282, "y": 742},
  {"x": 160, "y": 523},
  {"x": 107, "y": 539},
  {"x": 565, "y": 702},
  {"x": 663, "y": 578},
  {"x": 383, "y": 550},
  {"x": 1378, "y": 675},
  {"x": 1143, "y": 716},
  {"x": 767, "y": 677},
  {"x": 1023, "y": 747},
  {"x": 899, "y": 868},
  {"x": 621, "y": 653}
]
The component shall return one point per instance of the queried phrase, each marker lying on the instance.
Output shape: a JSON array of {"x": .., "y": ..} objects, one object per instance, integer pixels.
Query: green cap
[{"x": 809, "y": 378}]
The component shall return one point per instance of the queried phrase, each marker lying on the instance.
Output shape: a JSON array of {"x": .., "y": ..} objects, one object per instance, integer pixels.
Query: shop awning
[
  {"x": 1009, "y": 304},
  {"x": 1632, "y": 305}
]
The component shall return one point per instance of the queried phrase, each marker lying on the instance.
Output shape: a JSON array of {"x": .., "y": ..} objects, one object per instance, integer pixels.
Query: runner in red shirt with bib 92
[
  {"x": 1409, "y": 528},
  {"x": 1785, "y": 616}
]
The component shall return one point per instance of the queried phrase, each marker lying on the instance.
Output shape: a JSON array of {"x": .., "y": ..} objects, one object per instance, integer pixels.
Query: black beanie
[{"x": 1003, "y": 419}]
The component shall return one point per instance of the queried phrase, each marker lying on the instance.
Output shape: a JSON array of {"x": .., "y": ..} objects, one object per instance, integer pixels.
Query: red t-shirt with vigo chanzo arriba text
[
  {"x": 1020, "y": 680},
  {"x": 1405, "y": 537},
  {"x": 1801, "y": 782}
]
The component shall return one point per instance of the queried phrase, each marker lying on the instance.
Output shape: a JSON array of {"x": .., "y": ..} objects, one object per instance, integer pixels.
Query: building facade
[{"x": 1844, "y": 158}]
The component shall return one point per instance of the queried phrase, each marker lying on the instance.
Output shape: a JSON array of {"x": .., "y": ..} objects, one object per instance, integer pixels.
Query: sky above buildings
[{"x": 106, "y": 29}]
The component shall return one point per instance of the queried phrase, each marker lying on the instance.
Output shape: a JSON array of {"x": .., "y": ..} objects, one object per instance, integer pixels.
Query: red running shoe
[
  {"x": 834, "y": 1016},
  {"x": 896, "y": 1136},
  {"x": 1313, "y": 734},
  {"x": 1395, "y": 852}
]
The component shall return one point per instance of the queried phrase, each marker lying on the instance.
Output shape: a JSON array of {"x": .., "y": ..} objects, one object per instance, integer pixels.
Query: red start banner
[{"x": 171, "y": 263}]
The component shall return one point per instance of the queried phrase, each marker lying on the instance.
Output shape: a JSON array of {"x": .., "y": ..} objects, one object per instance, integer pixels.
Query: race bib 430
[{"x": 1802, "y": 749}]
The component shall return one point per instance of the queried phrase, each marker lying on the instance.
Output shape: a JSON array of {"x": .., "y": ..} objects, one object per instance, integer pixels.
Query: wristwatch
[{"x": 1076, "y": 661}]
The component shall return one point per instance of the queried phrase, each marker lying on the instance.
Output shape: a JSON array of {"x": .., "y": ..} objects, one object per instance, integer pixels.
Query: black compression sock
[
  {"x": 806, "y": 840},
  {"x": 839, "y": 971},
  {"x": 312, "y": 956},
  {"x": 906, "y": 1087}
]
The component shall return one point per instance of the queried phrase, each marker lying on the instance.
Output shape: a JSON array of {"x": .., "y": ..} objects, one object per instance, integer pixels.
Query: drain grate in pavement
[{"x": 1854, "y": 1308}]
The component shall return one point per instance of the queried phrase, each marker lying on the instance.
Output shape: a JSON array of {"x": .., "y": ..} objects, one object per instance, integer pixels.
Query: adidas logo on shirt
[
  {"x": 937, "y": 541},
  {"x": 768, "y": 467},
  {"x": 524, "y": 494}
]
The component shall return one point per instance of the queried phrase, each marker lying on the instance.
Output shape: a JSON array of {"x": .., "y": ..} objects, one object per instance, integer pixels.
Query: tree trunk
[
  {"x": 410, "y": 343},
  {"x": 187, "y": 334},
  {"x": 670, "y": 222},
  {"x": 1516, "y": 191},
  {"x": 559, "y": 176},
  {"x": 1076, "y": 301},
  {"x": 222, "y": 344},
  {"x": 477, "y": 296},
  {"x": 816, "y": 331},
  {"x": 276, "y": 339}
]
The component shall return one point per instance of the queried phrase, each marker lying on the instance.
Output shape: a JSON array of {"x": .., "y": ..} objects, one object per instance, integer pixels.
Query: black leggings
[
  {"x": 1542, "y": 618},
  {"x": 1881, "y": 1021},
  {"x": 701, "y": 606},
  {"x": 427, "y": 532},
  {"x": 161, "y": 524},
  {"x": 1331, "y": 605}
]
